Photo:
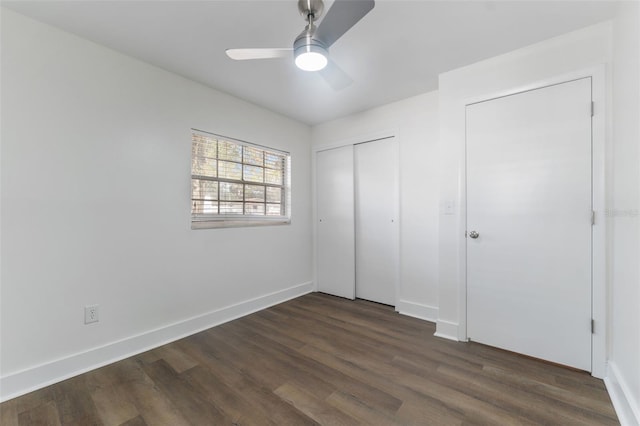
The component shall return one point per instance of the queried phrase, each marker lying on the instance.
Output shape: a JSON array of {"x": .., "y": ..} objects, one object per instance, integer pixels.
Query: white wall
[
  {"x": 624, "y": 186},
  {"x": 415, "y": 122},
  {"x": 96, "y": 208}
]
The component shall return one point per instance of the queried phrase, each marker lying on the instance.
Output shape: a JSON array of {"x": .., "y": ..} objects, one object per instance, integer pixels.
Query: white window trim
[{"x": 235, "y": 221}]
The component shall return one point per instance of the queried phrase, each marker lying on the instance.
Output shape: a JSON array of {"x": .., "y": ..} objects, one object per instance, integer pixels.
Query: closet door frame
[{"x": 369, "y": 137}]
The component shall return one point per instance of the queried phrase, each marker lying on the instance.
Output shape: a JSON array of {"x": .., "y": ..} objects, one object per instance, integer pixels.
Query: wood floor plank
[
  {"x": 34, "y": 399},
  {"x": 252, "y": 401},
  {"x": 366, "y": 413},
  {"x": 313, "y": 407},
  {"x": 192, "y": 405},
  {"x": 9, "y": 413},
  {"x": 74, "y": 404},
  {"x": 415, "y": 413},
  {"x": 595, "y": 404},
  {"x": 177, "y": 359},
  {"x": 320, "y": 359},
  {"x": 226, "y": 399},
  {"x": 44, "y": 414},
  {"x": 246, "y": 361},
  {"x": 382, "y": 367},
  {"x": 395, "y": 387},
  {"x": 326, "y": 380},
  {"x": 113, "y": 405},
  {"x": 136, "y": 421},
  {"x": 512, "y": 399},
  {"x": 153, "y": 405}
]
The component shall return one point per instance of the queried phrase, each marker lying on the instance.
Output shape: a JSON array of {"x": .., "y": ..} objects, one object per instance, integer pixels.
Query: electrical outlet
[{"x": 90, "y": 314}]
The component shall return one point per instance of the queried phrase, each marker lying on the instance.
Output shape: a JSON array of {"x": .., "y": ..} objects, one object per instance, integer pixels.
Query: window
[{"x": 235, "y": 183}]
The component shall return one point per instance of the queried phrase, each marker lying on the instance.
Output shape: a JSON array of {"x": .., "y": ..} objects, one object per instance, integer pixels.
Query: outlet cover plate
[{"x": 90, "y": 314}]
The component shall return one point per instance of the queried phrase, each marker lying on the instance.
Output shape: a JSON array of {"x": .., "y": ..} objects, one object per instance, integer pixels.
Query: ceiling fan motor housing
[
  {"x": 308, "y": 42},
  {"x": 310, "y": 53}
]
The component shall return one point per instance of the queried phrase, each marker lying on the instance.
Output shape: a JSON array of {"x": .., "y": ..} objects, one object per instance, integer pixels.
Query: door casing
[
  {"x": 599, "y": 290},
  {"x": 537, "y": 224}
]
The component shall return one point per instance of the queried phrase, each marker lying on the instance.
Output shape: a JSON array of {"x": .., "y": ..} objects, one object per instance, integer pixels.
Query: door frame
[
  {"x": 599, "y": 292},
  {"x": 356, "y": 140}
]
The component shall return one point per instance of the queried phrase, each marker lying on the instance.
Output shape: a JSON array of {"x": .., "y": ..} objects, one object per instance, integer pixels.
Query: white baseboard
[
  {"x": 37, "y": 377},
  {"x": 623, "y": 401},
  {"x": 447, "y": 330},
  {"x": 417, "y": 310}
]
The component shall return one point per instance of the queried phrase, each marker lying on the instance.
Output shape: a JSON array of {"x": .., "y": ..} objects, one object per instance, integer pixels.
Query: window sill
[{"x": 234, "y": 223}]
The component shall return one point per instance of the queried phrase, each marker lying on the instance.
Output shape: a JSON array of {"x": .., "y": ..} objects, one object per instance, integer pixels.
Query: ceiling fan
[{"x": 311, "y": 48}]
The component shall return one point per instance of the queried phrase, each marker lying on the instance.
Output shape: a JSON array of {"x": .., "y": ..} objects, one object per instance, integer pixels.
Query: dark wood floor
[{"x": 320, "y": 359}]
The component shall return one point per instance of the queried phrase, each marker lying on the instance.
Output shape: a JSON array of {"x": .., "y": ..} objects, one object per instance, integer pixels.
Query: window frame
[{"x": 217, "y": 220}]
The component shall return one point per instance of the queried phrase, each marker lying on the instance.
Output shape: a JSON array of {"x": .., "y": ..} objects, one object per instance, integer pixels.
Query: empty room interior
[{"x": 327, "y": 212}]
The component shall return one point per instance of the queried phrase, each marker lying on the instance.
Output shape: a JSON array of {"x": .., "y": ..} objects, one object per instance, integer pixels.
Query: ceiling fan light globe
[
  {"x": 311, "y": 57},
  {"x": 311, "y": 61}
]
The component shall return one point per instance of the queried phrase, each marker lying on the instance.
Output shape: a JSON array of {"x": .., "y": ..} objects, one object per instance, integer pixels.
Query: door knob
[{"x": 474, "y": 234}]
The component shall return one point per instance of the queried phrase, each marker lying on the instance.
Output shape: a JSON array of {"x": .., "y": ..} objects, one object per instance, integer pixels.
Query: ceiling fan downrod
[{"x": 311, "y": 10}]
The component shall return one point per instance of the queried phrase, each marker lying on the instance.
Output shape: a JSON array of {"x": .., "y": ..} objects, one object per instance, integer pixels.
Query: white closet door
[
  {"x": 335, "y": 215},
  {"x": 529, "y": 201},
  {"x": 376, "y": 175}
]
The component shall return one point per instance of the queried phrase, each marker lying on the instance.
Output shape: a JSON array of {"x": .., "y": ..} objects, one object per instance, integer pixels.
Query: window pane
[
  {"x": 230, "y": 208},
  {"x": 274, "y": 210},
  {"x": 202, "y": 166},
  {"x": 204, "y": 189},
  {"x": 254, "y": 208},
  {"x": 274, "y": 195},
  {"x": 273, "y": 161},
  {"x": 230, "y": 191},
  {"x": 253, "y": 156},
  {"x": 230, "y": 170},
  {"x": 229, "y": 151},
  {"x": 273, "y": 176},
  {"x": 203, "y": 147},
  {"x": 204, "y": 207},
  {"x": 253, "y": 174},
  {"x": 254, "y": 193}
]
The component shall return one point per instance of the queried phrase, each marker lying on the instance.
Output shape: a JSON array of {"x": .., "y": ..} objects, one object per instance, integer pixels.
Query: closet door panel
[
  {"x": 335, "y": 227},
  {"x": 376, "y": 171}
]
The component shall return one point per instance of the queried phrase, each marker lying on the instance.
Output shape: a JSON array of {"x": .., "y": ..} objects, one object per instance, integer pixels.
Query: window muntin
[{"x": 235, "y": 183}]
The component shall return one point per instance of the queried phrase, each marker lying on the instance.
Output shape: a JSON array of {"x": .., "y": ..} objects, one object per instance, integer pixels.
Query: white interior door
[
  {"x": 376, "y": 171},
  {"x": 335, "y": 214},
  {"x": 529, "y": 200}
]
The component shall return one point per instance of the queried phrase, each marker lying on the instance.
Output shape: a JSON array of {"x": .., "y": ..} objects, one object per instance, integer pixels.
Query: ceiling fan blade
[
  {"x": 343, "y": 15},
  {"x": 244, "y": 54},
  {"x": 335, "y": 76}
]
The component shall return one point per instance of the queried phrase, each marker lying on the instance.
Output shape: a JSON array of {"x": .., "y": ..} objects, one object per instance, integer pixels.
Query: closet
[{"x": 357, "y": 221}]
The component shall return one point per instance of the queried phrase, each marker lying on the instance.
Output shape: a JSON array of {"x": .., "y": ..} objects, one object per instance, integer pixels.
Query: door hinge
[
  {"x": 593, "y": 326},
  {"x": 592, "y": 108},
  {"x": 593, "y": 217}
]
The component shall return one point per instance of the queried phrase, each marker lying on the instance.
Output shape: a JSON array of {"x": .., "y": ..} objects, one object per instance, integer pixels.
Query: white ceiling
[{"x": 394, "y": 52}]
